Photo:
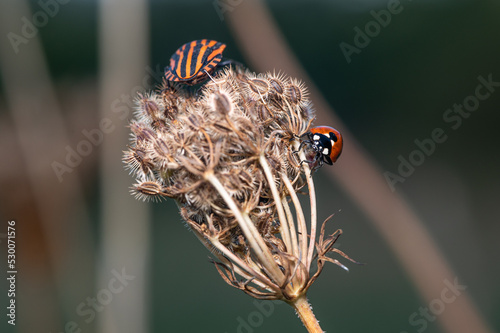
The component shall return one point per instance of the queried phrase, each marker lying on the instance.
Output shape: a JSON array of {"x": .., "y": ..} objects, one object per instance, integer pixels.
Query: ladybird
[
  {"x": 193, "y": 61},
  {"x": 326, "y": 142}
]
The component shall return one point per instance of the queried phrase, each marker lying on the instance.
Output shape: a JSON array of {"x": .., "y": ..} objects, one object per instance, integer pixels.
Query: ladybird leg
[
  {"x": 316, "y": 158},
  {"x": 302, "y": 144},
  {"x": 327, "y": 160},
  {"x": 295, "y": 152},
  {"x": 300, "y": 147},
  {"x": 318, "y": 165},
  {"x": 306, "y": 161}
]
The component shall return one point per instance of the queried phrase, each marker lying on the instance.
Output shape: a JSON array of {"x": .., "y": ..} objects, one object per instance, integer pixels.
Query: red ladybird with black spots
[{"x": 326, "y": 143}]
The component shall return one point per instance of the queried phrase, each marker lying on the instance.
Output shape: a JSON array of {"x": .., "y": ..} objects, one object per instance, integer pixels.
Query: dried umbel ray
[{"x": 227, "y": 153}]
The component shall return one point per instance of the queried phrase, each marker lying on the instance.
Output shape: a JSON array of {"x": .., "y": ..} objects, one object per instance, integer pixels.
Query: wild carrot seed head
[{"x": 226, "y": 154}]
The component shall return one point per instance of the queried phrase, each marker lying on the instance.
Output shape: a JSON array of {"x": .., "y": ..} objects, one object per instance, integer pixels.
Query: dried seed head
[
  {"x": 159, "y": 125},
  {"x": 296, "y": 92},
  {"x": 226, "y": 153},
  {"x": 259, "y": 86},
  {"x": 143, "y": 134},
  {"x": 221, "y": 102},
  {"x": 277, "y": 83},
  {"x": 149, "y": 190},
  {"x": 277, "y": 86},
  {"x": 150, "y": 107},
  {"x": 171, "y": 96},
  {"x": 263, "y": 112},
  {"x": 256, "y": 87}
]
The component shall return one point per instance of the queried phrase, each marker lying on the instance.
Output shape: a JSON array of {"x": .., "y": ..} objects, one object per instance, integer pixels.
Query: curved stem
[
  {"x": 291, "y": 224},
  {"x": 301, "y": 221},
  {"x": 284, "y": 230},
  {"x": 260, "y": 279},
  {"x": 312, "y": 198},
  {"x": 256, "y": 242},
  {"x": 314, "y": 215}
]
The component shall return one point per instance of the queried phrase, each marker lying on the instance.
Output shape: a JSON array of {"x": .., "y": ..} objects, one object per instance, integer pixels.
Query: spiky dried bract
[{"x": 227, "y": 154}]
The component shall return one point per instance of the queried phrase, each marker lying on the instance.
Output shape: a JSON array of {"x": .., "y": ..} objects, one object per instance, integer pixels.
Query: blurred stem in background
[
  {"x": 37, "y": 199},
  {"x": 255, "y": 30},
  {"x": 123, "y": 57}
]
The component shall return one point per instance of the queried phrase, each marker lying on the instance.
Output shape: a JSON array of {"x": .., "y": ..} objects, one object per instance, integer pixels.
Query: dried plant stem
[
  {"x": 235, "y": 259},
  {"x": 219, "y": 250},
  {"x": 256, "y": 242},
  {"x": 305, "y": 313},
  {"x": 284, "y": 230},
  {"x": 312, "y": 198},
  {"x": 296, "y": 250},
  {"x": 301, "y": 221},
  {"x": 314, "y": 215},
  {"x": 291, "y": 225}
]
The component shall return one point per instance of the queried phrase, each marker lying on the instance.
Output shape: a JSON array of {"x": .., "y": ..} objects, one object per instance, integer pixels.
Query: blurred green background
[{"x": 394, "y": 91}]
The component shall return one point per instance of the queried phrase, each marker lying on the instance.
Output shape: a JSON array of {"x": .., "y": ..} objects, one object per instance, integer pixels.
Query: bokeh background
[{"x": 77, "y": 227}]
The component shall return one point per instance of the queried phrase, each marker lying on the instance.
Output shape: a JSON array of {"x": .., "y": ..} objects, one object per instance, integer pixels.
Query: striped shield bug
[{"x": 194, "y": 61}]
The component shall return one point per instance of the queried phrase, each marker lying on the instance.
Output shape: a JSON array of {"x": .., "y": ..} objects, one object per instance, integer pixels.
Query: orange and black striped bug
[{"x": 194, "y": 61}]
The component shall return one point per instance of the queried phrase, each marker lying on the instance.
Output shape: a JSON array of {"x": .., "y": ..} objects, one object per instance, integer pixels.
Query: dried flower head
[{"x": 228, "y": 154}]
